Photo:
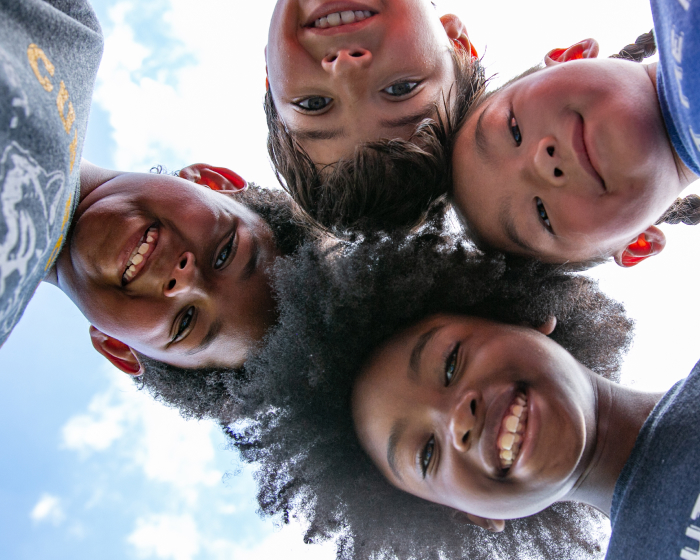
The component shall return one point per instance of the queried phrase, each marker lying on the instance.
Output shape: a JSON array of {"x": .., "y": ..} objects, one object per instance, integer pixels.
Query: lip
[
  {"x": 494, "y": 419},
  {"x": 582, "y": 153},
  {"x": 333, "y": 7},
  {"x": 132, "y": 243}
]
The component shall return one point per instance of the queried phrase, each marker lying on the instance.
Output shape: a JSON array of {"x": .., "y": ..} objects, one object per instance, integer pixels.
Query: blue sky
[{"x": 90, "y": 468}]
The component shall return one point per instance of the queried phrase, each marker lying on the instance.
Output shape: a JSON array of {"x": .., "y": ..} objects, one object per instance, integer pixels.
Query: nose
[
  {"x": 182, "y": 277},
  {"x": 548, "y": 162},
  {"x": 347, "y": 64},
  {"x": 463, "y": 420}
]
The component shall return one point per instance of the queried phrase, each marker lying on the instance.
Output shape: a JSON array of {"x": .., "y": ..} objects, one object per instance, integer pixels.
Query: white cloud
[
  {"x": 166, "y": 536},
  {"x": 209, "y": 111},
  {"x": 48, "y": 510},
  {"x": 287, "y": 543},
  {"x": 151, "y": 437}
]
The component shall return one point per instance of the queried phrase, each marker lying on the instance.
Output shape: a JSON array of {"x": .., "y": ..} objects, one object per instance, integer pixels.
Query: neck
[
  {"x": 91, "y": 177},
  {"x": 621, "y": 414}
]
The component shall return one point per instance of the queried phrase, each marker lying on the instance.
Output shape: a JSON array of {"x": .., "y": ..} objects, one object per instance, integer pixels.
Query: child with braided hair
[{"x": 578, "y": 161}]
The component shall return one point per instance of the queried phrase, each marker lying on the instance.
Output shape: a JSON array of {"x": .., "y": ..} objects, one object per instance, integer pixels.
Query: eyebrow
[
  {"x": 397, "y": 431},
  {"x": 309, "y": 134},
  {"x": 417, "y": 352},
  {"x": 505, "y": 217},
  {"x": 252, "y": 263},
  {"x": 211, "y": 335},
  {"x": 424, "y": 113}
]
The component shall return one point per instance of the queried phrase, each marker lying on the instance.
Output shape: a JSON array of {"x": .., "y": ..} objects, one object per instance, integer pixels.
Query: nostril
[
  {"x": 357, "y": 54},
  {"x": 171, "y": 284},
  {"x": 558, "y": 172},
  {"x": 465, "y": 437},
  {"x": 472, "y": 405},
  {"x": 183, "y": 263},
  {"x": 550, "y": 151},
  {"x": 332, "y": 58}
]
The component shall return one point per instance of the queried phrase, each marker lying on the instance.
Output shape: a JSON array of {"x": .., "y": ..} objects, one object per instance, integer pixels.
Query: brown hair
[{"x": 388, "y": 183}]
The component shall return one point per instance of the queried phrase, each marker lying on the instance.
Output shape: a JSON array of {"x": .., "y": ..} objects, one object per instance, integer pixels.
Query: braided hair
[{"x": 684, "y": 210}]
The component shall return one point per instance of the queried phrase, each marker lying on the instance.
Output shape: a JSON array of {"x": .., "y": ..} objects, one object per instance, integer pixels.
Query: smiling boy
[{"x": 173, "y": 268}]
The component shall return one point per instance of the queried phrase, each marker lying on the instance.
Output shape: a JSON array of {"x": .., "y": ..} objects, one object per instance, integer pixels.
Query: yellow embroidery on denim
[
  {"x": 35, "y": 54},
  {"x": 57, "y": 247},
  {"x": 69, "y": 119},
  {"x": 73, "y": 148}
]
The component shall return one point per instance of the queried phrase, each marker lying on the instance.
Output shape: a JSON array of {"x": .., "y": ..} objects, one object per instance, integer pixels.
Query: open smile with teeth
[
  {"x": 144, "y": 248},
  {"x": 342, "y": 18},
  {"x": 510, "y": 438}
]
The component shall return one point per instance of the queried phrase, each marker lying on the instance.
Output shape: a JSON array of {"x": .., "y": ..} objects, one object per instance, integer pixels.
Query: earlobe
[
  {"x": 588, "y": 48},
  {"x": 493, "y": 525},
  {"x": 457, "y": 33},
  {"x": 119, "y": 354},
  {"x": 648, "y": 244},
  {"x": 548, "y": 326},
  {"x": 216, "y": 178}
]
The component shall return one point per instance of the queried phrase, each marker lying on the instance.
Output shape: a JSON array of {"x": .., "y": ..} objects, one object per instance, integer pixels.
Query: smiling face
[
  {"x": 173, "y": 269},
  {"x": 493, "y": 420},
  {"x": 567, "y": 164},
  {"x": 336, "y": 85}
]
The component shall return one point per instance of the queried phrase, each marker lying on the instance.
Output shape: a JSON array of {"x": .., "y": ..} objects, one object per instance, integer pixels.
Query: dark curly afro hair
[
  {"x": 336, "y": 307},
  {"x": 211, "y": 392}
]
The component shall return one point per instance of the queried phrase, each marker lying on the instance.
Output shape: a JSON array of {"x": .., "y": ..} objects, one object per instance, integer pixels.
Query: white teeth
[
  {"x": 347, "y": 17},
  {"x": 342, "y": 18},
  {"x": 513, "y": 426},
  {"x": 138, "y": 255}
]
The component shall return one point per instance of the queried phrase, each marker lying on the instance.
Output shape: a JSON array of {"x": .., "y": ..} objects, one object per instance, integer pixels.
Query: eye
[
  {"x": 426, "y": 455},
  {"x": 543, "y": 215},
  {"x": 185, "y": 321},
  {"x": 451, "y": 365},
  {"x": 399, "y": 89},
  {"x": 314, "y": 103},
  {"x": 515, "y": 130},
  {"x": 224, "y": 254}
]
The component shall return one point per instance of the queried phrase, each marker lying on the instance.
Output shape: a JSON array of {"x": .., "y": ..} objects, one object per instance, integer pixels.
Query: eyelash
[
  {"x": 426, "y": 455},
  {"x": 327, "y": 101},
  {"x": 542, "y": 213},
  {"x": 451, "y": 365},
  {"x": 185, "y": 321},
  {"x": 226, "y": 251},
  {"x": 515, "y": 129},
  {"x": 413, "y": 85}
]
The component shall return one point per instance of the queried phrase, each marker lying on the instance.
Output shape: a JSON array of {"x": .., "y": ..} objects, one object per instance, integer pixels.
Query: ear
[
  {"x": 457, "y": 32},
  {"x": 216, "y": 178},
  {"x": 267, "y": 81},
  {"x": 648, "y": 244},
  {"x": 119, "y": 354},
  {"x": 493, "y": 525},
  {"x": 588, "y": 48},
  {"x": 548, "y": 326}
]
